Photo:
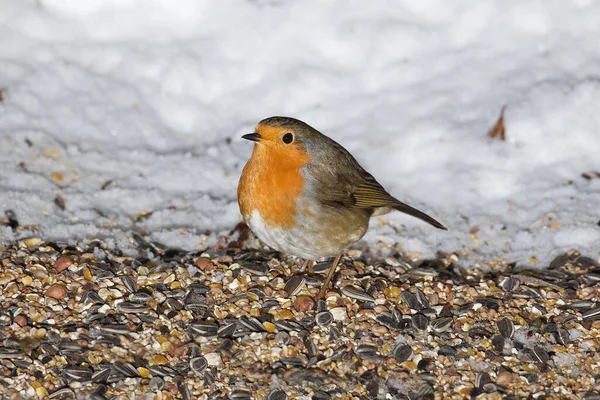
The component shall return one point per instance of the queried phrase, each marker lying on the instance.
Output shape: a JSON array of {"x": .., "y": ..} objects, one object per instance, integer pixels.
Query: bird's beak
[{"x": 255, "y": 137}]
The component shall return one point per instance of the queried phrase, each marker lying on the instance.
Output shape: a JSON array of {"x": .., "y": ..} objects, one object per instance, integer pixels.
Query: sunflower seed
[
  {"x": 559, "y": 262},
  {"x": 402, "y": 352},
  {"x": 490, "y": 303},
  {"x": 592, "y": 314},
  {"x": 482, "y": 379},
  {"x": 206, "y": 329},
  {"x": 63, "y": 393},
  {"x": 129, "y": 283},
  {"x": 10, "y": 353},
  {"x": 541, "y": 354},
  {"x": 357, "y": 293},
  {"x": 580, "y": 305},
  {"x": 324, "y": 319},
  {"x": 448, "y": 351},
  {"x": 420, "y": 321},
  {"x": 255, "y": 269},
  {"x": 292, "y": 361},
  {"x": 227, "y": 330},
  {"x": 411, "y": 300},
  {"x": 441, "y": 324},
  {"x": 78, "y": 374},
  {"x": 562, "y": 336},
  {"x": 198, "y": 364},
  {"x": 91, "y": 296},
  {"x": 252, "y": 324},
  {"x": 184, "y": 390},
  {"x": 506, "y": 328},
  {"x": 132, "y": 308},
  {"x": 127, "y": 369},
  {"x": 367, "y": 352},
  {"x": 277, "y": 394},
  {"x": 387, "y": 321},
  {"x": 531, "y": 378},
  {"x": 156, "y": 383},
  {"x": 101, "y": 375},
  {"x": 288, "y": 325},
  {"x": 422, "y": 299},
  {"x": 118, "y": 329},
  {"x": 510, "y": 284},
  {"x": 240, "y": 395},
  {"x": 294, "y": 285},
  {"x": 140, "y": 297}
]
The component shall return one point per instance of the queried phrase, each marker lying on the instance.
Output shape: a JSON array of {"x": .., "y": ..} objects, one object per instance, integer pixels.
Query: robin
[{"x": 303, "y": 194}]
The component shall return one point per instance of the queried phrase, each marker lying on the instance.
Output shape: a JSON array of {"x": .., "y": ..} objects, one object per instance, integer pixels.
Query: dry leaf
[{"x": 499, "y": 131}]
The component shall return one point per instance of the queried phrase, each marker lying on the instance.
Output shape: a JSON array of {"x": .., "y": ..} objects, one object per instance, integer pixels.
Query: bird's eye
[{"x": 288, "y": 138}]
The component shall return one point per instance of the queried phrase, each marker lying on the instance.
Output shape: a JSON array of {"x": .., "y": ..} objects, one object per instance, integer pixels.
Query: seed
[
  {"x": 227, "y": 330},
  {"x": 304, "y": 303},
  {"x": 117, "y": 329},
  {"x": 354, "y": 292},
  {"x": 559, "y": 262},
  {"x": 506, "y": 328},
  {"x": 402, "y": 352},
  {"x": 140, "y": 297},
  {"x": 277, "y": 394},
  {"x": 498, "y": 343},
  {"x": 62, "y": 393},
  {"x": 101, "y": 375},
  {"x": 62, "y": 263},
  {"x": 592, "y": 314},
  {"x": 132, "y": 308},
  {"x": 420, "y": 321},
  {"x": 541, "y": 354},
  {"x": 184, "y": 390},
  {"x": 489, "y": 303},
  {"x": 91, "y": 296},
  {"x": 6, "y": 353},
  {"x": 448, "y": 351},
  {"x": 206, "y": 329},
  {"x": 129, "y": 283},
  {"x": 56, "y": 291},
  {"x": 422, "y": 299},
  {"x": 367, "y": 352},
  {"x": 324, "y": 319},
  {"x": 252, "y": 324},
  {"x": 78, "y": 374},
  {"x": 294, "y": 285},
  {"x": 411, "y": 300},
  {"x": 156, "y": 383},
  {"x": 562, "y": 336},
  {"x": 482, "y": 379},
  {"x": 387, "y": 321},
  {"x": 510, "y": 284},
  {"x": 198, "y": 364},
  {"x": 255, "y": 269},
  {"x": 441, "y": 324}
]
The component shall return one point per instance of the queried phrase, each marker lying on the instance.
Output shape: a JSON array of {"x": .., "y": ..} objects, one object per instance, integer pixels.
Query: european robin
[{"x": 303, "y": 194}]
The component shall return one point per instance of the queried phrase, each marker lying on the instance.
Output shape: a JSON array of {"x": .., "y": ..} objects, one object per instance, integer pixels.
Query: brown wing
[{"x": 341, "y": 181}]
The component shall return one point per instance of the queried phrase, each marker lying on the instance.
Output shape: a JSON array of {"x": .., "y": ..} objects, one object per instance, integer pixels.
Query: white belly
[{"x": 308, "y": 242}]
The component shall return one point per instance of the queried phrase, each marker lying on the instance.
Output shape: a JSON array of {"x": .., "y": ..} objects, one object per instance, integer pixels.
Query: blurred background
[{"x": 121, "y": 115}]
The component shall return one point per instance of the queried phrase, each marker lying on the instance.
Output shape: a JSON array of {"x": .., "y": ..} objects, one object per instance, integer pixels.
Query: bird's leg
[
  {"x": 329, "y": 276},
  {"x": 306, "y": 264}
]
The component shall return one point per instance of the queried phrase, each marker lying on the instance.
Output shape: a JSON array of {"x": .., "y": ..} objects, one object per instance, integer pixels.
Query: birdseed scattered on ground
[{"x": 226, "y": 323}]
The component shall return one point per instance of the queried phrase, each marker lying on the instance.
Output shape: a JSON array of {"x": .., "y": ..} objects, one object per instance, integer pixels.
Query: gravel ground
[{"x": 83, "y": 321}]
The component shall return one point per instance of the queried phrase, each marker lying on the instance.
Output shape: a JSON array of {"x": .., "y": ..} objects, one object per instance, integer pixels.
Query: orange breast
[{"x": 271, "y": 184}]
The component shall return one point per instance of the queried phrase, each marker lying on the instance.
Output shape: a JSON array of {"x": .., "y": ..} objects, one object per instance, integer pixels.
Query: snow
[{"x": 138, "y": 106}]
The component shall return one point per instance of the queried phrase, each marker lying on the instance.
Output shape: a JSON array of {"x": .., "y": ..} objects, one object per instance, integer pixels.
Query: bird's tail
[{"x": 405, "y": 208}]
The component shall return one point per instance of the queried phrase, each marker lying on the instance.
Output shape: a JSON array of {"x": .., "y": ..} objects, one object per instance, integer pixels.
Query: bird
[{"x": 303, "y": 194}]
